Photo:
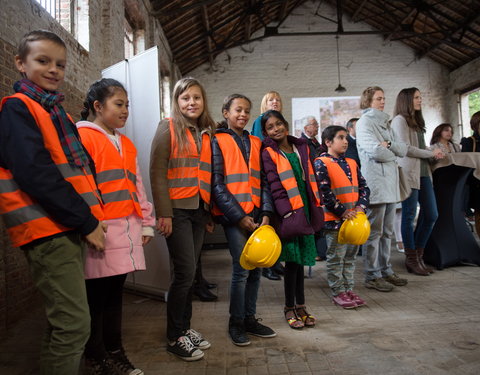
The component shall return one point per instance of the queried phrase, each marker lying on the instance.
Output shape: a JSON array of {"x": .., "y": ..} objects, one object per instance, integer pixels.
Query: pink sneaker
[
  {"x": 343, "y": 300},
  {"x": 355, "y": 298}
]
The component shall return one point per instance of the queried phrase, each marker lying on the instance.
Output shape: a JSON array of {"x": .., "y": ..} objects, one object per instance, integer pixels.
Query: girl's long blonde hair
[{"x": 180, "y": 123}]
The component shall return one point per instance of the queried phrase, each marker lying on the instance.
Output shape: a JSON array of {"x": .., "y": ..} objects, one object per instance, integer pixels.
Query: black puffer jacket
[{"x": 226, "y": 202}]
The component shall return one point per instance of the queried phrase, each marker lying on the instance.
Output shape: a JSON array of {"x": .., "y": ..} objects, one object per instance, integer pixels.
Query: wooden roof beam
[
  {"x": 175, "y": 10},
  {"x": 206, "y": 24},
  {"x": 465, "y": 24}
]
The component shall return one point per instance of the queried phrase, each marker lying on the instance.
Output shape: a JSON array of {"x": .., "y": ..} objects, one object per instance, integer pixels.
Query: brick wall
[
  {"x": 306, "y": 66},
  {"x": 106, "y": 47}
]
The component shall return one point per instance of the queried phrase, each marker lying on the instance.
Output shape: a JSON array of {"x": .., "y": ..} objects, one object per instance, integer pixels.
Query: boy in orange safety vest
[
  {"x": 48, "y": 197},
  {"x": 345, "y": 193}
]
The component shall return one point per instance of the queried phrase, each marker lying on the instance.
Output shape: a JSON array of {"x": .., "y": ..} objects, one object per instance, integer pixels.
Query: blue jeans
[
  {"x": 417, "y": 238},
  {"x": 245, "y": 284}
]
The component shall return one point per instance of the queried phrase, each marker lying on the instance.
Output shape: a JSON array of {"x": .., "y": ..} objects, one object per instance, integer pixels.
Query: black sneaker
[
  {"x": 236, "y": 330},
  {"x": 121, "y": 363},
  {"x": 197, "y": 339},
  {"x": 94, "y": 367},
  {"x": 253, "y": 327},
  {"x": 184, "y": 349}
]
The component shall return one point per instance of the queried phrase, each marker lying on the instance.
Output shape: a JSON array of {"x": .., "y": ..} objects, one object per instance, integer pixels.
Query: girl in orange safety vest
[
  {"x": 287, "y": 164},
  {"x": 128, "y": 215},
  {"x": 241, "y": 204},
  {"x": 180, "y": 174}
]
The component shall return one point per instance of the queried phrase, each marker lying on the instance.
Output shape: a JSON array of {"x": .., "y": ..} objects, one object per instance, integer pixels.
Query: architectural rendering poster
[{"x": 336, "y": 110}]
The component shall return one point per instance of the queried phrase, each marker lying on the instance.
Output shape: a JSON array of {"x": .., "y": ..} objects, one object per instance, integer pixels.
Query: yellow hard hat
[
  {"x": 262, "y": 249},
  {"x": 354, "y": 231}
]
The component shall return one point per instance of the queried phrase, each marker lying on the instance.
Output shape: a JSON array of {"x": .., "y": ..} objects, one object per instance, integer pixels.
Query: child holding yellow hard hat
[
  {"x": 287, "y": 164},
  {"x": 345, "y": 193}
]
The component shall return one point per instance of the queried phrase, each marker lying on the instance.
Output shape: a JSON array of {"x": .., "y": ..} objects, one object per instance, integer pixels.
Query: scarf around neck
[{"x": 66, "y": 129}]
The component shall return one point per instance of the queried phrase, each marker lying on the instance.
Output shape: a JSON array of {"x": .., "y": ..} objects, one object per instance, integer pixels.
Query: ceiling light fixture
[{"x": 339, "y": 88}]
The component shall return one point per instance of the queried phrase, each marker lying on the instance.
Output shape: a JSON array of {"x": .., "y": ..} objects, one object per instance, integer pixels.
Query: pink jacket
[{"x": 123, "y": 241}]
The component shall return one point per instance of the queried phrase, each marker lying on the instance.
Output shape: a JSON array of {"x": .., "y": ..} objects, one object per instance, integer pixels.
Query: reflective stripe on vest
[
  {"x": 189, "y": 173},
  {"x": 27, "y": 221},
  {"x": 288, "y": 181},
  {"x": 116, "y": 173},
  {"x": 345, "y": 191},
  {"x": 241, "y": 180}
]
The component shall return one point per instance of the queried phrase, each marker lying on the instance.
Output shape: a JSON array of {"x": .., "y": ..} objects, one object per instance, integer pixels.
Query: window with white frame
[{"x": 72, "y": 15}]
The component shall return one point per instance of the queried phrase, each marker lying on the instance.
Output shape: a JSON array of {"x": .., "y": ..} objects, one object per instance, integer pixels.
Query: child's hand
[
  {"x": 210, "y": 227},
  {"x": 146, "y": 240},
  {"x": 349, "y": 214},
  {"x": 96, "y": 239},
  {"x": 265, "y": 221},
  {"x": 104, "y": 226},
  {"x": 247, "y": 223},
  {"x": 164, "y": 226}
]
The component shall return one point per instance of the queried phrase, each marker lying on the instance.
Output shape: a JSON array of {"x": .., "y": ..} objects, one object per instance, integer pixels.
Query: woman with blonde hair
[
  {"x": 378, "y": 151},
  {"x": 271, "y": 100}
]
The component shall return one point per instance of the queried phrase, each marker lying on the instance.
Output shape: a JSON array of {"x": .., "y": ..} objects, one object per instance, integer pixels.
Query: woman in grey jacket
[
  {"x": 378, "y": 151},
  {"x": 409, "y": 127}
]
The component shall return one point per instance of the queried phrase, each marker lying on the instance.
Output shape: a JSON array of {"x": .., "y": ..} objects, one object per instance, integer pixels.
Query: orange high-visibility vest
[
  {"x": 116, "y": 174},
  {"x": 242, "y": 180},
  {"x": 345, "y": 191},
  {"x": 287, "y": 178},
  {"x": 190, "y": 173},
  {"x": 25, "y": 219}
]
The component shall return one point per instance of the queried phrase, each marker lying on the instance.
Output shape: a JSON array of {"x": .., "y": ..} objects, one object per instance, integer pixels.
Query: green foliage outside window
[{"x": 474, "y": 102}]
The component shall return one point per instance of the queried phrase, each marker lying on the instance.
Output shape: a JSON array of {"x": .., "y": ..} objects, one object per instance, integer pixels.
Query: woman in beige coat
[{"x": 409, "y": 127}]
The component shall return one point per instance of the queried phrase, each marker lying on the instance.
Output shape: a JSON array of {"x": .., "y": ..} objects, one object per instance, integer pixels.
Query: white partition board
[{"x": 140, "y": 76}]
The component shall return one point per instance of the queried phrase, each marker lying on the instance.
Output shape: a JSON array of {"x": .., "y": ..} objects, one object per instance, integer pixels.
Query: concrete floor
[{"x": 431, "y": 326}]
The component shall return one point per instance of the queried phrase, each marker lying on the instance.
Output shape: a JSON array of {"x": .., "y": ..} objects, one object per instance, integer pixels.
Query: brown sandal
[
  {"x": 293, "y": 321},
  {"x": 307, "y": 319}
]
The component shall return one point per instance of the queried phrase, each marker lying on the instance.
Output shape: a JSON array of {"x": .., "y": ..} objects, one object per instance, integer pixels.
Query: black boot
[
  {"x": 269, "y": 274},
  {"x": 199, "y": 279},
  {"x": 278, "y": 268},
  {"x": 203, "y": 294}
]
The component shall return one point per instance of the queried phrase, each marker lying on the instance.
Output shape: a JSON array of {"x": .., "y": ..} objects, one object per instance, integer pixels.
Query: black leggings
[
  {"x": 105, "y": 303},
  {"x": 293, "y": 281}
]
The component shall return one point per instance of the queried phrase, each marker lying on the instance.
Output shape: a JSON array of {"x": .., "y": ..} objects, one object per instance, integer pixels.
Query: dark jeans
[
  {"x": 413, "y": 239},
  {"x": 245, "y": 284},
  {"x": 105, "y": 297},
  {"x": 293, "y": 282},
  {"x": 184, "y": 245}
]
